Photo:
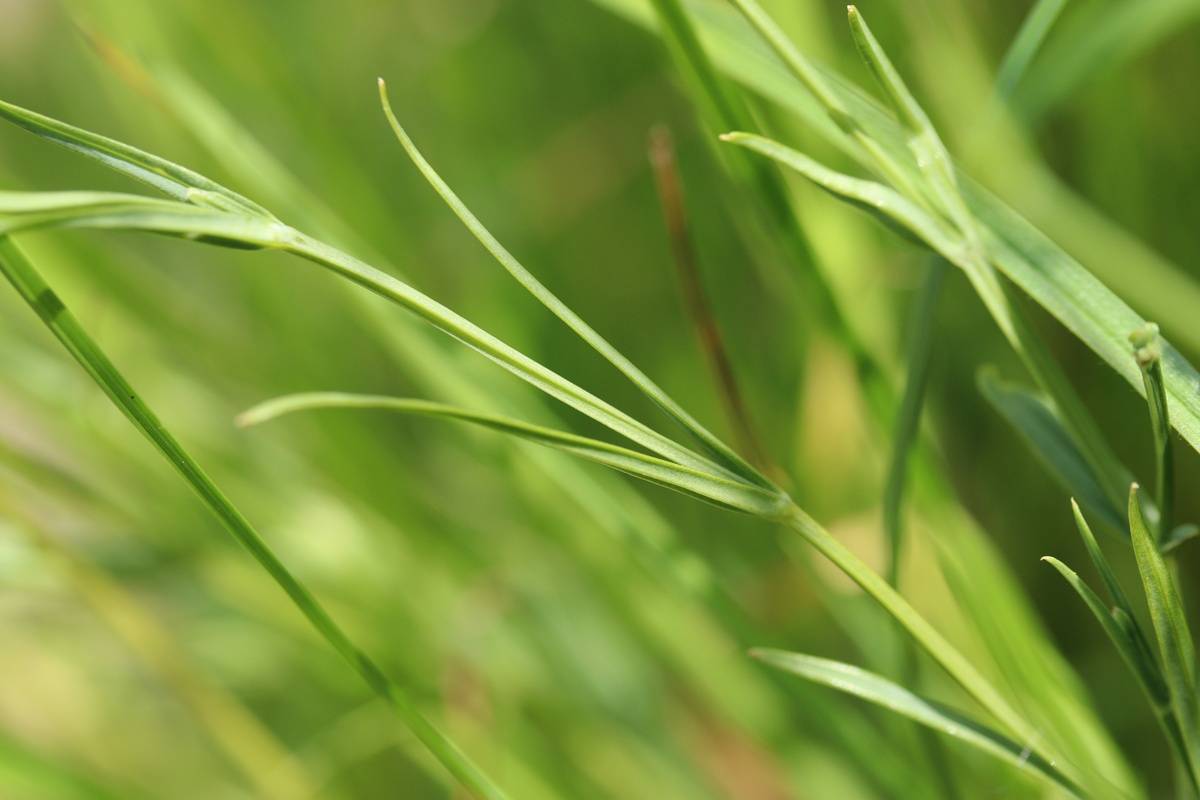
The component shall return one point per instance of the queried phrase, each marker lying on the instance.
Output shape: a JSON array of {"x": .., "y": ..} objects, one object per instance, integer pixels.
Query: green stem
[{"x": 34, "y": 290}]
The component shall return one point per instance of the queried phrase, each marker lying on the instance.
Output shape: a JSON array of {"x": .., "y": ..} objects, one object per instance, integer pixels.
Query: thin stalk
[
  {"x": 697, "y": 306},
  {"x": 40, "y": 297}
]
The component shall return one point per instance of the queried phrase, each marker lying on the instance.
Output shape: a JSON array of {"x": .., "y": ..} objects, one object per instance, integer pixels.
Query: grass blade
[
  {"x": 1044, "y": 434},
  {"x": 893, "y": 209},
  {"x": 717, "y": 449},
  {"x": 1170, "y": 627},
  {"x": 896, "y": 698},
  {"x": 1146, "y": 671},
  {"x": 714, "y": 489},
  {"x": 33, "y": 289}
]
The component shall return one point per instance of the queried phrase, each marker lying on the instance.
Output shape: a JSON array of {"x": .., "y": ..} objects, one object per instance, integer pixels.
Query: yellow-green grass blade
[
  {"x": 42, "y": 299},
  {"x": 1175, "y": 642},
  {"x": 712, "y": 488},
  {"x": 887, "y": 694},
  {"x": 898, "y": 211},
  {"x": 717, "y": 449}
]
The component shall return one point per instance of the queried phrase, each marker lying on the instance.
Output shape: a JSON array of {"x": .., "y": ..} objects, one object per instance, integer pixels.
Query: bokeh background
[{"x": 579, "y": 635}]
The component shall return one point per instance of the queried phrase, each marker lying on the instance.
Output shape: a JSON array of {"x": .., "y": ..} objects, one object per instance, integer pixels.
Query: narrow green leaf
[
  {"x": 34, "y": 290},
  {"x": 20, "y": 211},
  {"x": 1170, "y": 627},
  {"x": 1145, "y": 670},
  {"x": 1041, "y": 430},
  {"x": 1147, "y": 351},
  {"x": 720, "y": 491},
  {"x": 1127, "y": 637},
  {"x": 932, "y": 157},
  {"x": 930, "y": 640},
  {"x": 884, "y": 203},
  {"x": 169, "y": 178},
  {"x": 898, "y": 168},
  {"x": 882, "y": 692},
  {"x": 717, "y": 449},
  {"x": 1101, "y": 563}
]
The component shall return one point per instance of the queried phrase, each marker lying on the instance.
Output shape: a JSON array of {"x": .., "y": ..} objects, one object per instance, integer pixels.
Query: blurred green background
[{"x": 579, "y": 635}]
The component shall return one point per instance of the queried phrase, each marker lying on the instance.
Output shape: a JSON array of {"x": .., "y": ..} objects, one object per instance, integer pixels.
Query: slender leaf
[
  {"x": 1043, "y": 433},
  {"x": 1170, "y": 627},
  {"x": 34, "y": 290},
  {"x": 1145, "y": 670},
  {"x": 171, "y": 179},
  {"x": 884, "y": 203},
  {"x": 1122, "y": 630},
  {"x": 714, "y": 489},
  {"x": 882, "y": 692},
  {"x": 710, "y": 443},
  {"x": 946, "y": 655}
]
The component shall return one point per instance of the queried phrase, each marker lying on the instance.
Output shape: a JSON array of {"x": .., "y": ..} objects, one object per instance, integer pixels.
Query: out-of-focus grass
[{"x": 581, "y": 637}]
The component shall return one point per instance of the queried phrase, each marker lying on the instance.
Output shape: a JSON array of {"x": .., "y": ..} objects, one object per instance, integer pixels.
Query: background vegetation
[{"x": 579, "y": 635}]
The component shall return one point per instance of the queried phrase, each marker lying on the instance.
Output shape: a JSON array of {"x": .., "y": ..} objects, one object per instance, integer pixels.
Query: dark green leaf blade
[{"x": 1044, "y": 434}]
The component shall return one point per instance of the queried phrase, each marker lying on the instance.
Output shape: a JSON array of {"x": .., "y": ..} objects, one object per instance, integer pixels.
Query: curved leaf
[
  {"x": 716, "y": 449},
  {"x": 882, "y": 692},
  {"x": 712, "y": 488}
]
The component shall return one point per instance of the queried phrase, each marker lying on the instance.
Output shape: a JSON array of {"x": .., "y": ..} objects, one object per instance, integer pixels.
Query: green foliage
[{"x": 559, "y": 630}]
